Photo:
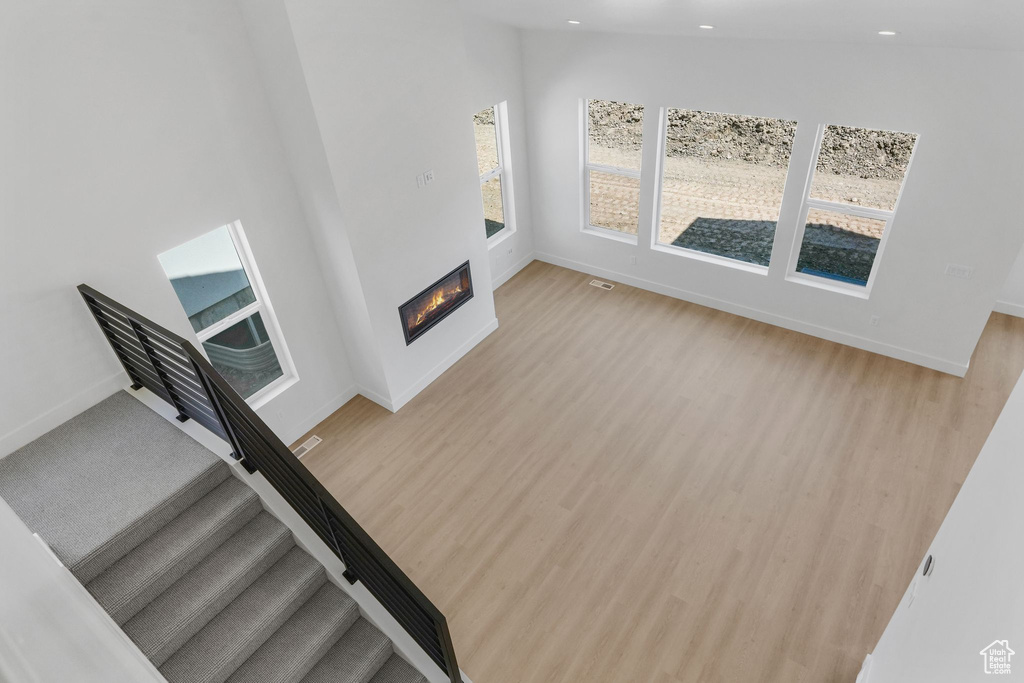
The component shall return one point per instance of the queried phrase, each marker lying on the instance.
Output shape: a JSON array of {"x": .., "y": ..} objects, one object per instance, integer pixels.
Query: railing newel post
[
  {"x": 218, "y": 409},
  {"x": 136, "y": 330}
]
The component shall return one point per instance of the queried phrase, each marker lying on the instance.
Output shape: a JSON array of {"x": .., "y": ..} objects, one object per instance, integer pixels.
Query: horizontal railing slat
[
  {"x": 183, "y": 377},
  {"x": 389, "y": 590},
  {"x": 136, "y": 354},
  {"x": 122, "y": 329},
  {"x": 424, "y": 633},
  {"x": 305, "y": 504},
  {"x": 186, "y": 394},
  {"x": 172, "y": 340},
  {"x": 156, "y": 388}
]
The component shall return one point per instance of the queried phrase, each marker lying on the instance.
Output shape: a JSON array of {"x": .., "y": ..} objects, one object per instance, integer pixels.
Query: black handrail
[{"x": 172, "y": 368}]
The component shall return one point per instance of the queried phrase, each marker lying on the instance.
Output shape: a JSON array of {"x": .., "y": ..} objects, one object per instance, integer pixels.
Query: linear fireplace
[{"x": 436, "y": 302}]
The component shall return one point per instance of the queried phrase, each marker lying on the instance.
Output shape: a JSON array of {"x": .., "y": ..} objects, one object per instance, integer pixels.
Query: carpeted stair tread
[
  {"x": 177, "y": 614},
  {"x": 163, "y": 558},
  {"x": 101, "y": 483},
  {"x": 355, "y": 658},
  {"x": 221, "y": 646},
  {"x": 181, "y": 554},
  {"x": 397, "y": 670},
  {"x": 298, "y": 645}
]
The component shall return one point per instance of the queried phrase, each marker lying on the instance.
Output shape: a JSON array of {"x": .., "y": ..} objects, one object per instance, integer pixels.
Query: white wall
[
  {"x": 1011, "y": 299},
  {"x": 52, "y": 628},
  {"x": 974, "y": 594},
  {"x": 494, "y": 61},
  {"x": 128, "y": 127},
  {"x": 273, "y": 45},
  {"x": 387, "y": 86},
  {"x": 961, "y": 202}
]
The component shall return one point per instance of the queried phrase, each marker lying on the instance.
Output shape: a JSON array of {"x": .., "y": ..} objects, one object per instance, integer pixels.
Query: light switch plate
[{"x": 962, "y": 272}]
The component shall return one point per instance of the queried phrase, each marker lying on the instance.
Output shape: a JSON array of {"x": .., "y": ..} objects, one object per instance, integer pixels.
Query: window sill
[
  {"x": 271, "y": 391},
  {"x": 609, "y": 234},
  {"x": 711, "y": 258},
  {"x": 500, "y": 236},
  {"x": 835, "y": 287}
]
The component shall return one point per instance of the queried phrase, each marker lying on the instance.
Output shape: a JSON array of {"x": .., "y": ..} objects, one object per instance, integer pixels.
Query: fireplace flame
[{"x": 439, "y": 297}]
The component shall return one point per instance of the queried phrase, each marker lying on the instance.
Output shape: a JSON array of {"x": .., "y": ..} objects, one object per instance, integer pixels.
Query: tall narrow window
[
  {"x": 612, "y": 151},
  {"x": 223, "y": 297},
  {"x": 851, "y": 202},
  {"x": 492, "y": 156},
  {"x": 723, "y": 176}
]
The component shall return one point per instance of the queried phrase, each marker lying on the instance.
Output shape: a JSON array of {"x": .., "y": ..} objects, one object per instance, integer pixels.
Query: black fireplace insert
[{"x": 436, "y": 302}]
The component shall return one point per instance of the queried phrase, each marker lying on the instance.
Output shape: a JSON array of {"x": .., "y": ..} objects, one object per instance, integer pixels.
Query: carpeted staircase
[{"x": 182, "y": 555}]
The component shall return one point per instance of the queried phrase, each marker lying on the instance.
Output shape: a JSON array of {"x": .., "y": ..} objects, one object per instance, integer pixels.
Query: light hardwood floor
[{"x": 619, "y": 486}]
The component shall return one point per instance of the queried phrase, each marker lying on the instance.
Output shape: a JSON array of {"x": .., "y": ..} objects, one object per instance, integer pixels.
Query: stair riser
[
  {"x": 102, "y": 559},
  {"x": 125, "y": 607},
  {"x": 223, "y": 599},
  {"x": 397, "y": 670},
  {"x": 214, "y": 653},
  {"x": 261, "y": 636},
  {"x": 355, "y": 658},
  {"x": 302, "y": 641}
]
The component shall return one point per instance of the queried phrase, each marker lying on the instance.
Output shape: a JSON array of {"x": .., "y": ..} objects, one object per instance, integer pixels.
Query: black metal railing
[{"x": 172, "y": 368}]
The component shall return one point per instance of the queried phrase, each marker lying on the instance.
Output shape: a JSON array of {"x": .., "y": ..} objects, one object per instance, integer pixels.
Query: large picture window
[
  {"x": 612, "y": 152},
  {"x": 492, "y": 156},
  {"x": 850, "y": 204},
  {"x": 219, "y": 287},
  {"x": 722, "y": 181}
]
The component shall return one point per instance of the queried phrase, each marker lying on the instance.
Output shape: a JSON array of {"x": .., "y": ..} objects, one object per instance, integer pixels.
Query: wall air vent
[
  {"x": 602, "y": 285},
  {"x": 307, "y": 445}
]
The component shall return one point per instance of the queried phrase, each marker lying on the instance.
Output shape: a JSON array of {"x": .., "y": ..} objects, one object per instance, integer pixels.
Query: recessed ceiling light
[
  {"x": 706, "y": 27},
  {"x": 573, "y": 21},
  {"x": 887, "y": 33}
]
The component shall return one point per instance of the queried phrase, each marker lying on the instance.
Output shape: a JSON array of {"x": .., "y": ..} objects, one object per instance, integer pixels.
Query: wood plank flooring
[{"x": 619, "y": 486}]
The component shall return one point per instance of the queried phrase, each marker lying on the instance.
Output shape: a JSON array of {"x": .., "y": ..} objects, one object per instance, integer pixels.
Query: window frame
[
  {"x": 694, "y": 254},
  {"x": 262, "y": 306},
  {"x": 503, "y": 171},
  {"x": 809, "y": 203},
  {"x": 585, "y": 169}
]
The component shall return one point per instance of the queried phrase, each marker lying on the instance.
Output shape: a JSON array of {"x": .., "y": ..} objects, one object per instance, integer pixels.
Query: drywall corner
[{"x": 270, "y": 35}]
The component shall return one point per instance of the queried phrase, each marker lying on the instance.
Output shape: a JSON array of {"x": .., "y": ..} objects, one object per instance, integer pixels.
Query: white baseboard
[
  {"x": 511, "y": 271},
  {"x": 319, "y": 415},
  {"x": 61, "y": 413},
  {"x": 379, "y": 399},
  {"x": 1009, "y": 308},
  {"x": 865, "y": 670},
  {"x": 449, "y": 361},
  {"x": 897, "y": 352}
]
